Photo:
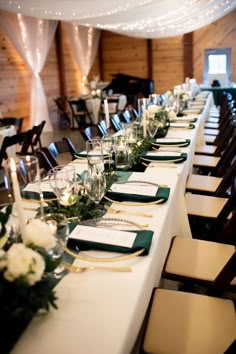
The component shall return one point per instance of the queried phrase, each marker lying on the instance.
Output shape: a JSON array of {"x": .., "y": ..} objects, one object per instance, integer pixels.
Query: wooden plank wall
[
  {"x": 120, "y": 54},
  {"x": 220, "y": 34}
]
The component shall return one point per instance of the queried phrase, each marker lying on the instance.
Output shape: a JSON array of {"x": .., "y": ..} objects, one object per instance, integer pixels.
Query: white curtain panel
[
  {"x": 134, "y": 18},
  {"x": 32, "y": 37},
  {"x": 84, "y": 42}
]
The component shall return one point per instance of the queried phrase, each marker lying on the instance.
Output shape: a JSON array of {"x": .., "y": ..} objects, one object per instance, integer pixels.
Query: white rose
[
  {"x": 24, "y": 262},
  {"x": 39, "y": 234},
  {"x": 171, "y": 114},
  {"x": 152, "y": 109},
  {"x": 3, "y": 259}
]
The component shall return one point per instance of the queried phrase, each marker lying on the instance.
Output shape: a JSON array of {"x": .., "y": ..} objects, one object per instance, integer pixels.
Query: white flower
[
  {"x": 152, "y": 109},
  {"x": 24, "y": 262},
  {"x": 3, "y": 259},
  {"x": 171, "y": 114},
  {"x": 185, "y": 97},
  {"x": 39, "y": 234}
]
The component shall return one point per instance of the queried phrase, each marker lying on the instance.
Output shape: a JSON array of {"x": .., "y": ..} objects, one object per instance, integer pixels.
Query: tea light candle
[{"x": 17, "y": 195}]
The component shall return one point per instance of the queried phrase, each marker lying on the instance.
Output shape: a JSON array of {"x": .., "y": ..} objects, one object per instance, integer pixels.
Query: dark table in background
[{"x": 218, "y": 91}]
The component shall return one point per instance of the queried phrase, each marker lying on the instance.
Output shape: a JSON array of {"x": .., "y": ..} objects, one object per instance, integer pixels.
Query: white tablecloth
[
  {"x": 11, "y": 151},
  {"x": 101, "y": 311},
  {"x": 93, "y": 106}
]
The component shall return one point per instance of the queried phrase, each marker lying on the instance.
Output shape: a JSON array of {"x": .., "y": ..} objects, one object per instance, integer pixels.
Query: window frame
[{"x": 217, "y": 51}]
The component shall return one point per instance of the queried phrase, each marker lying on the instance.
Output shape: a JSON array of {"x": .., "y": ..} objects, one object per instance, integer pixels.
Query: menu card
[{"x": 104, "y": 236}]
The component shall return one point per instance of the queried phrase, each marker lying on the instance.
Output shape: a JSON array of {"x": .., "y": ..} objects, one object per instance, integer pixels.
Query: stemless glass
[
  {"x": 95, "y": 154},
  {"x": 63, "y": 183},
  {"x": 107, "y": 148},
  {"x": 95, "y": 184},
  {"x": 60, "y": 229}
]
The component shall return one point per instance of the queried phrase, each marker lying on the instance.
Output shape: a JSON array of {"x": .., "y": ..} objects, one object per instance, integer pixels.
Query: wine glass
[
  {"x": 95, "y": 185},
  {"x": 59, "y": 228},
  {"x": 152, "y": 127},
  {"x": 63, "y": 183}
]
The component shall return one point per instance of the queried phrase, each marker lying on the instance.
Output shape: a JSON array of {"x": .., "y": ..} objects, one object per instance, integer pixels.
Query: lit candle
[
  {"x": 106, "y": 110},
  {"x": 17, "y": 196}
]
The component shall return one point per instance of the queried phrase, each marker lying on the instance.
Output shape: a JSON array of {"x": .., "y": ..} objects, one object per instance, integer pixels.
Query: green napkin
[
  {"x": 169, "y": 143},
  {"x": 175, "y": 158},
  {"x": 143, "y": 240},
  {"x": 162, "y": 193},
  {"x": 35, "y": 195}
]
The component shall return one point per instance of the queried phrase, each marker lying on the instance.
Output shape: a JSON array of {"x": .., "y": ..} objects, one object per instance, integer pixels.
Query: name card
[
  {"x": 164, "y": 153},
  {"x": 139, "y": 188},
  {"x": 105, "y": 236}
]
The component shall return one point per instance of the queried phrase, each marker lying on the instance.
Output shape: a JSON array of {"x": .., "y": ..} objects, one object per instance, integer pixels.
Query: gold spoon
[
  {"x": 118, "y": 211},
  {"x": 77, "y": 269}
]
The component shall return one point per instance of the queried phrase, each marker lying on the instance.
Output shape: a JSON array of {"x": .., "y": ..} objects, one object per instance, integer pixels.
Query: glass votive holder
[{"x": 121, "y": 149}]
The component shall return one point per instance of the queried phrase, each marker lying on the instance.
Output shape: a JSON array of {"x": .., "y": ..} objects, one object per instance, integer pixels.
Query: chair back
[
  {"x": 226, "y": 215},
  {"x": 61, "y": 147},
  {"x": 103, "y": 127},
  {"x": 36, "y": 136},
  {"x": 115, "y": 121},
  {"x": 127, "y": 116},
  {"x": 226, "y": 158},
  {"x": 62, "y": 108},
  {"x": 48, "y": 161},
  {"x": 227, "y": 181},
  {"x": 79, "y": 112},
  {"x": 17, "y": 122},
  {"x": 91, "y": 132},
  {"x": 23, "y": 139}
]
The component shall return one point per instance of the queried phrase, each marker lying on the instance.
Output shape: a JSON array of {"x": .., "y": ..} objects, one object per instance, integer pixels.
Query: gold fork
[
  {"x": 118, "y": 211},
  {"x": 77, "y": 269}
]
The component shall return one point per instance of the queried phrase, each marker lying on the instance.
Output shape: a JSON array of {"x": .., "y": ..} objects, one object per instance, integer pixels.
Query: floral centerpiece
[
  {"x": 161, "y": 115},
  {"x": 26, "y": 274}
]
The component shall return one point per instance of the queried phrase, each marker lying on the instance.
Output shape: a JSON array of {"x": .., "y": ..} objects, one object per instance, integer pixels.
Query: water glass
[
  {"x": 95, "y": 155},
  {"x": 108, "y": 149},
  {"x": 59, "y": 227}
]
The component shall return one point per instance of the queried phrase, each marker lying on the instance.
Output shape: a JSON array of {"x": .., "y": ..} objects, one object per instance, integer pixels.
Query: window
[{"x": 217, "y": 66}]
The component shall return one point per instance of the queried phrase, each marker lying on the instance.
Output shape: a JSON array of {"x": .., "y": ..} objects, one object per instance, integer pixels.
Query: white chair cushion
[
  {"x": 184, "y": 323},
  {"x": 198, "y": 259}
]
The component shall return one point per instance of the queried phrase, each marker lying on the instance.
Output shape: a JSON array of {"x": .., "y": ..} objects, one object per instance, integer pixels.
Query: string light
[{"x": 137, "y": 18}]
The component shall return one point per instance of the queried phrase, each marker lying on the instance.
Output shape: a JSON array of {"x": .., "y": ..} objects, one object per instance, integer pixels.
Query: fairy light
[{"x": 136, "y": 18}]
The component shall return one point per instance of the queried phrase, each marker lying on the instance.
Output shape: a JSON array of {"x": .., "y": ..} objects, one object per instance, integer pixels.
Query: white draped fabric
[
  {"x": 84, "y": 43},
  {"x": 32, "y": 37},
  {"x": 135, "y": 18}
]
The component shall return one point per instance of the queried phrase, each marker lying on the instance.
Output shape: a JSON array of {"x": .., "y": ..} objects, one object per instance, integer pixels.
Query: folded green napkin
[
  {"x": 180, "y": 126},
  {"x": 172, "y": 158},
  {"x": 36, "y": 196},
  {"x": 143, "y": 240},
  {"x": 162, "y": 193},
  {"x": 176, "y": 142},
  {"x": 184, "y": 120}
]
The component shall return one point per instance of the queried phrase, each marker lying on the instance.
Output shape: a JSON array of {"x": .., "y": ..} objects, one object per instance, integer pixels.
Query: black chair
[
  {"x": 17, "y": 122},
  {"x": 103, "y": 127},
  {"x": 62, "y": 147},
  {"x": 79, "y": 113},
  {"x": 46, "y": 160},
  {"x": 91, "y": 132},
  {"x": 23, "y": 140},
  {"x": 64, "y": 113},
  {"x": 116, "y": 123},
  {"x": 36, "y": 136}
]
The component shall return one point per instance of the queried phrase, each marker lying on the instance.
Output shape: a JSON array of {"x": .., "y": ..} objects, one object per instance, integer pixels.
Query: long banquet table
[{"x": 103, "y": 311}]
